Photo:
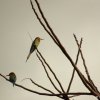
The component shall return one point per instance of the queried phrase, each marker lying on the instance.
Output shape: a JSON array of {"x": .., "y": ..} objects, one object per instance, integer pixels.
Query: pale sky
[{"x": 66, "y": 17}]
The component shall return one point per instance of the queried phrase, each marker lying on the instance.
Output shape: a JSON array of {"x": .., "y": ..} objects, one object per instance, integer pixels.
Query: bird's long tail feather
[{"x": 28, "y": 56}]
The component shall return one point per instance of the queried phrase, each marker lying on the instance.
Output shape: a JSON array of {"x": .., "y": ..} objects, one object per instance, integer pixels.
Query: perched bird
[
  {"x": 12, "y": 77},
  {"x": 34, "y": 46}
]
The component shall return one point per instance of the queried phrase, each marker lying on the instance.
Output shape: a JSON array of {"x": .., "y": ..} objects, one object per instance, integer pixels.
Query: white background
[{"x": 66, "y": 17}]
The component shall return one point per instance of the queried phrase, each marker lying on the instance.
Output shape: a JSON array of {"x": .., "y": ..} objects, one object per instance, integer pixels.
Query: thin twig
[
  {"x": 51, "y": 71},
  {"x": 48, "y": 74},
  {"x": 79, "y": 93},
  {"x": 62, "y": 48},
  {"x": 39, "y": 85},
  {"x": 84, "y": 63},
  {"x": 39, "y": 93},
  {"x": 65, "y": 96},
  {"x": 47, "y": 94},
  {"x": 86, "y": 70},
  {"x": 42, "y": 22},
  {"x": 73, "y": 73},
  {"x": 84, "y": 80},
  {"x": 46, "y": 22}
]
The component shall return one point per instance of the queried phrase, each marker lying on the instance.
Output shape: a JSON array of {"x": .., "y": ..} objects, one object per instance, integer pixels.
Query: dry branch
[
  {"x": 86, "y": 69},
  {"x": 39, "y": 93},
  {"x": 73, "y": 73},
  {"x": 48, "y": 74},
  {"x": 88, "y": 83},
  {"x": 58, "y": 43},
  {"x": 47, "y": 94},
  {"x": 42, "y": 24},
  {"x": 39, "y": 85},
  {"x": 51, "y": 71}
]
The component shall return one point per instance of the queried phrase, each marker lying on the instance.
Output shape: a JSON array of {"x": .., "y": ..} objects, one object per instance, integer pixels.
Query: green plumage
[
  {"x": 34, "y": 45},
  {"x": 12, "y": 78}
]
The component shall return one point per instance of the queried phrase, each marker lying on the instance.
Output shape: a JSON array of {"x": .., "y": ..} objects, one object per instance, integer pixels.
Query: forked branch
[
  {"x": 33, "y": 91},
  {"x": 51, "y": 70},
  {"x": 61, "y": 47},
  {"x": 73, "y": 73},
  {"x": 88, "y": 83}
]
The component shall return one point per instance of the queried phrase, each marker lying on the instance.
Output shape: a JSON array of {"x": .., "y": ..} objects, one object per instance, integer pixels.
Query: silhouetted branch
[
  {"x": 39, "y": 85},
  {"x": 88, "y": 83},
  {"x": 73, "y": 73},
  {"x": 42, "y": 87},
  {"x": 48, "y": 74},
  {"x": 65, "y": 96},
  {"x": 39, "y": 93},
  {"x": 47, "y": 94},
  {"x": 86, "y": 69},
  {"x": 39, "y": 19},
  {"x": 46, "y": 22},
  {"x": 58, "y": 43},
  {"x": 51, "y": 71},
  {"x": 61, "y": 47}
]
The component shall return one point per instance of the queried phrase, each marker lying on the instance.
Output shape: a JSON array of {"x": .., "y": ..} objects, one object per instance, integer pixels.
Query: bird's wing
[{"x": 33, "y": 47}]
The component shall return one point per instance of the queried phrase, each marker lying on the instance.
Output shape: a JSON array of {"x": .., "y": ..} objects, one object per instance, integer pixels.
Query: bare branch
[
  {"x": 39, "y": 93},
  {"x": 51, "y": 71},
  {"x": 88, "y": 83},
  {"x": 67, "y": 55},
  {"x": 82, "y": 58},
  {"x": 47, "y": 94},
  {"x": 84, "y": 80},
  {"x": 39, "y": 19},
  {"x": 86, "y": 69},
  {"x": 73, "y": 73},
  {"x": 39, "y": 85},
  {"x": 44, "y": 88},
  {"x": 48, "y": 74},
  {"x": 46, "y": 22}
]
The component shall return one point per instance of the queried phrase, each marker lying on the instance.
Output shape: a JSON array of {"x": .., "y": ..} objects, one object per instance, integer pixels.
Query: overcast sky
[{"x": 66, "y": 17}]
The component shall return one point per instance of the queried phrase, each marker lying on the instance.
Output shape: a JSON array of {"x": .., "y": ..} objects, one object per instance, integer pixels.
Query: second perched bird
[
  {"x": 12, "y": 77},
  {"x": 34, "y": 46}
]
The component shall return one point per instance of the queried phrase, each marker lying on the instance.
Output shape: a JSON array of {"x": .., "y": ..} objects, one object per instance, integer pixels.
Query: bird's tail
[{"x": 28, "y": 56}]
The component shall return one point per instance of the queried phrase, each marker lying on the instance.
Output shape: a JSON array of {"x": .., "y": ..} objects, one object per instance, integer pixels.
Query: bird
[
  {"x": 12, "y": 78},
  {"x": 34, "y": 46}
]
